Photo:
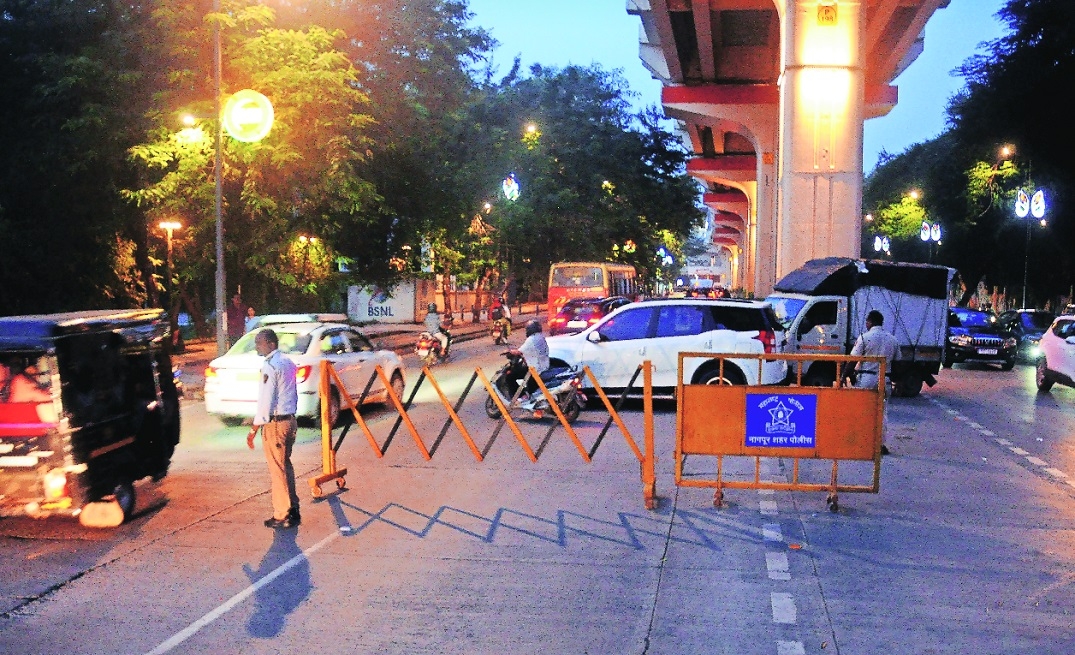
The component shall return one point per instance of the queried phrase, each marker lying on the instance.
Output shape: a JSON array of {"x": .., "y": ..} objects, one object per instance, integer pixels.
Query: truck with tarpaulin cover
[
  {"x": 88, "y": 407},
  {"x": 823, "y": 305}
]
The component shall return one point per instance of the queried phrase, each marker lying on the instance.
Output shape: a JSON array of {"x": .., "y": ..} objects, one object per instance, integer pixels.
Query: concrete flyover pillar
[{"x": 822, "y": 112}]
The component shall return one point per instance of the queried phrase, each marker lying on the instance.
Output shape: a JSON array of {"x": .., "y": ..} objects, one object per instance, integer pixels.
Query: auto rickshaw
[{"x": 88, "y": 407}]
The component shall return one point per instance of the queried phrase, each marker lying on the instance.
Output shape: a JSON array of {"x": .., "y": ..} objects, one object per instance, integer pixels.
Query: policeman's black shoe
[
  {"x": 278, "y": 523},
  {"x": 884, "y": 449},
  {"x": 294, "y": 516}
]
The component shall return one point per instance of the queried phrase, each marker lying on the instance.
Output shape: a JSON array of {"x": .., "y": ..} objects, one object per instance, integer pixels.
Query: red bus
[{"x": 569, "y": 280}]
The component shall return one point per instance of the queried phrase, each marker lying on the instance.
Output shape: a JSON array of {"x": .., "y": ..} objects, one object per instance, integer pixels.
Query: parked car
[
  {"x": 1056, "y": 365},
  {"x": 658, "y": 330},
  {"x": 231, "y": 380},
  {"x": 578, "y": 314},
  {"x": 976, "y": 336},
  {"x": 1027, "y": 325}
]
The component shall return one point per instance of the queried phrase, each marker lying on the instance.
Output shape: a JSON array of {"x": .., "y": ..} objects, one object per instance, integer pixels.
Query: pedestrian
[
  {"x": 236, "y": 319},
  {"x": 251, "y": 320},
  {"x": 277, "y": 402},
  {"x": 876, "y": 342}
]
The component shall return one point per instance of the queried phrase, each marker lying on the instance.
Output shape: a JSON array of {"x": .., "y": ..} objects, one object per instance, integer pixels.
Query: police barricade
[
  {"x": 744, "y": 424},
  {"x": 332, "y": 472}
]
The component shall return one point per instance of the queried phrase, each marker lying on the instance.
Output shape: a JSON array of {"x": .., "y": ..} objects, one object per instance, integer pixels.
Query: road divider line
[
  {"x": 777, "y": 566},
  {"x": 1056, "y": 473},
  {"x": 1037, "y": 461},
  {"x": 768, "y": 507},
  {"x": 771, "y": 532},
  {"x": 225, "y": 607},
  {"x": 783, "y": 608},
  {"x": 790, "y": 648},
  {"x": 1018, "y": 451}
]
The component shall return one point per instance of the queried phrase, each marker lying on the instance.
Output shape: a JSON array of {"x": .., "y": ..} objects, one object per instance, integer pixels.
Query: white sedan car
[
  {"x": 1056, "y": 364},
  {"x": 658, "y": 330},
  {"x": 231, "y": 380}
]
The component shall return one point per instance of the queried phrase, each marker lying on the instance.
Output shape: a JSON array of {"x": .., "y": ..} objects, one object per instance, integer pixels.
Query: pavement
[{"x": 398, "y": 337}]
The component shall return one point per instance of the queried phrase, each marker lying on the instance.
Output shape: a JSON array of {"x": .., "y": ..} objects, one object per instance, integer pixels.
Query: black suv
[
  {"x": 1027, "y": 325},
  {"x": 975, "y": 336}
]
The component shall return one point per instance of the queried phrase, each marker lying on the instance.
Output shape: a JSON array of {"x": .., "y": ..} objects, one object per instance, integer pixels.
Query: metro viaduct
[{"x": 773, "y": 95}]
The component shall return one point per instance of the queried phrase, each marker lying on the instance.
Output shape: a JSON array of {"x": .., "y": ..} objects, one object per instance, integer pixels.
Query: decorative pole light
[
  {"x": 1029, "y": 206},
  {"x": 882, "y": 244},
  {"x": 511, "y": 187},
  {"x": 248, "y": 116}
]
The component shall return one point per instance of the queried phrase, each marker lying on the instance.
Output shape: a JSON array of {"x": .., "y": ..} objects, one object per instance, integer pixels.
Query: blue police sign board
[{"x": 781, "y": 420}]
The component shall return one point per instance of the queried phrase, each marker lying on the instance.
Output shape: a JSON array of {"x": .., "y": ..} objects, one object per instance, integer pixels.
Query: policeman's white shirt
[
  {"x": 875, "y": 342},
  {"x": 536, "y": 351},
  {"x": 277, "y": 390}
]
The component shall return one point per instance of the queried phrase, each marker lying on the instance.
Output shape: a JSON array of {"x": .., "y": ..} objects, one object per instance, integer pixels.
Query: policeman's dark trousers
[{"x": 279, "y": 438}]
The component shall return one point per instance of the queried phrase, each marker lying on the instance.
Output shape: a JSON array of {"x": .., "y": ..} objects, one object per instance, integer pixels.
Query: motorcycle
[
  {"x": 564, "y": 385},
  {"x": 499, "y": 331},
  {"x": 428, "y": 348}
]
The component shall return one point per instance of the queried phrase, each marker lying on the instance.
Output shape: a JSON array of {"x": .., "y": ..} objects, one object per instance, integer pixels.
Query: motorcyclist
[
  {"x": 433, "y": 326},
  {"x": 535, "y": 353},
  {"x": 501, "y": 315}
]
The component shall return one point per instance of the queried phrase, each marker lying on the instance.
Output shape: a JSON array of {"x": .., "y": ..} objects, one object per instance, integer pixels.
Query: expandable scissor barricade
[
  {"x": 331, "y": 471},
  {"x": 838, "y": 423}
]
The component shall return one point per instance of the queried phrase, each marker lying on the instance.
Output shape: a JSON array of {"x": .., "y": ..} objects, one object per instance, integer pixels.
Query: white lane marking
[
  {"x": 1056, "y": 473},
  {"x": 224, "y": 608},
  {"x": 1037, "y": 461},
  {"x": 777, "y": 565},
  {"x": 790, "y": 648},
  {"x": 783, "y": 608},
  {"x": 1018, "y": 451},
  {"x": 951, "y": 411},
  {"x": 1004, "y": 442},
  {"x": 771, "y": 532},
  {"x": 975, "y": 425},
  {"x": 990, "y": 433},
  {"x": 768, "y": 507}
]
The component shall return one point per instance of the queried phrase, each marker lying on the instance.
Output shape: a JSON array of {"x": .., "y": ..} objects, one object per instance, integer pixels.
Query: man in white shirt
[
  {"x": 875, "y": 342},
  {"x": 278, "y": 400}
]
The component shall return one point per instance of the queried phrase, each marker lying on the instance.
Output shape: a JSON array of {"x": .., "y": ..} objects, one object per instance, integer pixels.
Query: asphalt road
[{"x": 968, "y": 548}]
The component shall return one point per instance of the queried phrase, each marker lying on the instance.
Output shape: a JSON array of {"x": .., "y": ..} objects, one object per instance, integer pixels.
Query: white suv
[
  {"x": 658, "y": 330},
  {"x": 1057, "y": 361}
]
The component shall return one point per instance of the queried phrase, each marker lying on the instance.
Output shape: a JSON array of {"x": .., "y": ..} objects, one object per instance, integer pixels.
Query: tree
[
  {"x": 287, "y": 197},
  {"x": 1011, "y": 97},
  {"x": 76, "y": 78}
]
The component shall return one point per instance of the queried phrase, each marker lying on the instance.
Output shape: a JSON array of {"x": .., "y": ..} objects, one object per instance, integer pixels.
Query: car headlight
[
  {"x": 1010, "y": 342},
  {"x": 960, "y": 339}
]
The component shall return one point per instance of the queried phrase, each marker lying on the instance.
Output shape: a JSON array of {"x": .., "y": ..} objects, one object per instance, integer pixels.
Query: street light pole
[{"x": 218, "y": 164}]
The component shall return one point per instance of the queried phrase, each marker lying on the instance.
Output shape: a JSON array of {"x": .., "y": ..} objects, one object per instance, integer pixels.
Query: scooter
[
  {"x": 499, "y": 331},
  {"x": 428, "y": 348},
  {"x": 564, "y": 385}
]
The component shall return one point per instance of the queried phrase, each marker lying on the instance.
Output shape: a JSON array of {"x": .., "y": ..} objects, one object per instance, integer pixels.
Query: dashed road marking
[
  {"x": 783, "y": 608},
  {"x": 1056, "y": 473},
  {"x": 771, "y": 532},
  {"x": 777, "y": 565},
  {"x": 988, "y": 433},
  {"x": 1004, "y": 442},
  {"x": 1037, "y": 461},
  {"x": 768, "y": 507},
  {"x": 790, "y": 648},
  {"x": 1018, "y": 451}
]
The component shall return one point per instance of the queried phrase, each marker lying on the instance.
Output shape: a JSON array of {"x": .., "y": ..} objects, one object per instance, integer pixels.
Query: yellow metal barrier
[
  {"x": 775, "y": 421},
  {"x": 331, "y": 471}
]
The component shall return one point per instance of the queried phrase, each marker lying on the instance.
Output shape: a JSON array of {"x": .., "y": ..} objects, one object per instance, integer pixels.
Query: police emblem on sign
[{"x": 781, "y": 420}]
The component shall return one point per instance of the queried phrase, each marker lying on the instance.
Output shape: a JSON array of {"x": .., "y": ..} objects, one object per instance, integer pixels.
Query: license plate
[
  {"x": 987, "y": 351},
  {"x": 576, "y": 324}
]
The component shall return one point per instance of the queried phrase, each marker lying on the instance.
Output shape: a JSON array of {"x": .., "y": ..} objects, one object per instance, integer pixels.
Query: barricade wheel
[{"x": 316, "y": 491}]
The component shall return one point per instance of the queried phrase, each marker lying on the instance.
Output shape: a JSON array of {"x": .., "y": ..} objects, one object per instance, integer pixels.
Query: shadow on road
[{"x": 281, "y": 595}]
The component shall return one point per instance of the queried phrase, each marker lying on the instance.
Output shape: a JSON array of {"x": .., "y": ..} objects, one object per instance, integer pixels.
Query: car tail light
[
  {"x": 302, "y": 373},
  {"x": 558, "y": 320},
  {"x": 210, "y": 372},
  {"x": 767, "y": 339},
  {"x": 594, "y": 320},
  {"x": 55, "y": 482}
]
